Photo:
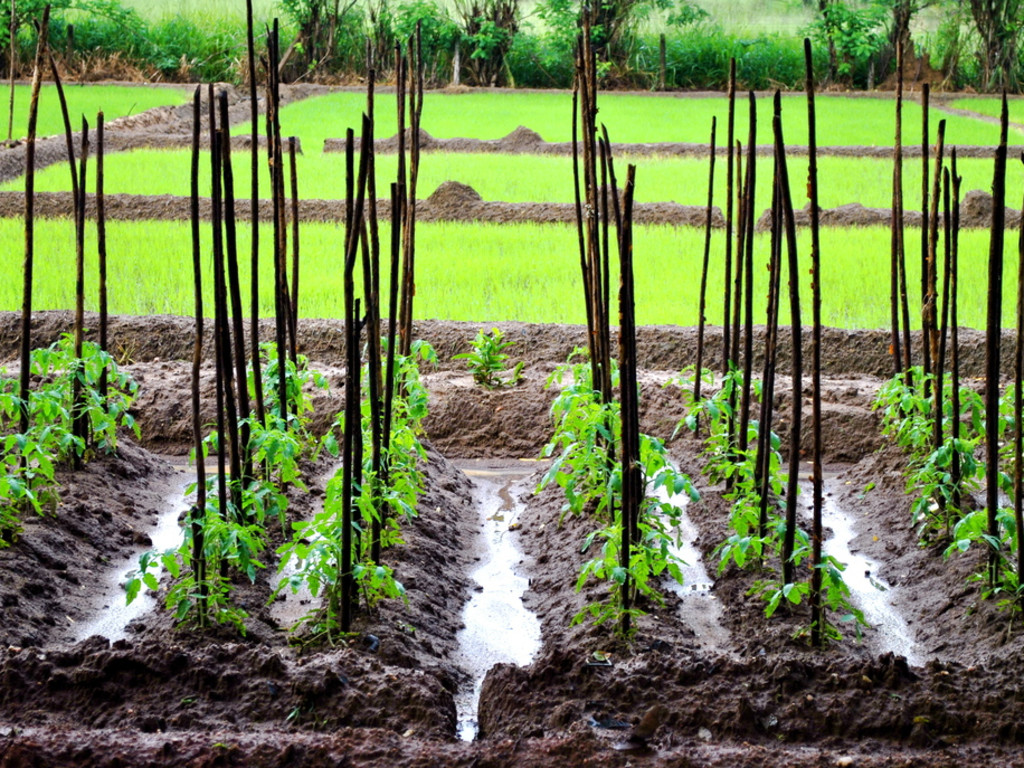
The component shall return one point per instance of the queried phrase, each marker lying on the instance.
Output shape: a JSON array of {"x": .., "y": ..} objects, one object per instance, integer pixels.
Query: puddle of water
[
  {"x": 700, "y": 608},
  {"x": 869, "y": 592},
  {"x": 498, "y": 627},
  {"x": 292, "y": 606},
  {"x": 112, "y": 620}
]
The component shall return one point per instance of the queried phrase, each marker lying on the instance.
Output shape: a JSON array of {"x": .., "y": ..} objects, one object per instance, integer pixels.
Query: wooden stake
[
  {"x": 101, "y": 249},
  {"x": 197, "y": 515},
  {"x": 817, "y": 535},
  {"x": 254, "y": 264},
  {"x": 993, "y": 328},
  {"x": 701, "y": 318},
  {"x": 730, "y": 137}
]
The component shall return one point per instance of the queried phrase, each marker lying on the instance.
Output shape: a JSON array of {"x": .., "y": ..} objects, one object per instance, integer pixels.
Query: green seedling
[{"x": 488, "y": 359}]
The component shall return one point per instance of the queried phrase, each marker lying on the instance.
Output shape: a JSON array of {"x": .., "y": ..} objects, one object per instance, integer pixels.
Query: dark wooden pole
[
  {"x": 294, "y": 290},
  {"x": 701, "y": 318},
  {"x": 730, "y": 138},
  {"x": 632, "y": 475},
  {"x": 241, "y": 392},
  {"x": 954, "y": 337},
  {"x": 254, "y": 268},
  {"x": 101, "y": 248},
  {"x": 793, "y": 269},
  {"x": 197, "y": 514},
  {"x": 993, "y": 327},
  {"x": 817, "y": 535},
  {"x": 80, "y": 422},
  {"x": 896, "y": 238}
]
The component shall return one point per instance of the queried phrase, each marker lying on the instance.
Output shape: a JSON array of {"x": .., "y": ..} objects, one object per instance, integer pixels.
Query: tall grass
[
  {"x": 487, "y": 273},
  {"x": 233, "y": 10}
]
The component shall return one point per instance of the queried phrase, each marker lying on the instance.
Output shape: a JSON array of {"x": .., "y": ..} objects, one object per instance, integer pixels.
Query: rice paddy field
[{"x": 524, "y": 271}]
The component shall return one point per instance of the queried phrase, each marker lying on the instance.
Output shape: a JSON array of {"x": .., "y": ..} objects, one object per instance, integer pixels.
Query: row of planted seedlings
[
  {"x": 69, "y": 399},
  {"x": 740, "y": 448},
  {"x": 606, "y": 467},
  {"x": 611, "y": 471},
  {"x": 940, "y": 426},
  {"x": 261, "y": 439},
  {"x": 957, "y": 440}
]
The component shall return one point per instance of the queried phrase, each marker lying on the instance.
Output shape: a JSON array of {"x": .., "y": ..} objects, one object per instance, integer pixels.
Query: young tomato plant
[
  {"x": 300, "y": 379},
  {"x": 749, "y": 545},
  {"x": 973, "y": 529},
  {"x": 488, "y": 359},
  {"x": 28, "y": 460},
  {"x": 587, "y": 436},
  {"x": 315, "y": 552},
  {"x": 938, "y": 479}
]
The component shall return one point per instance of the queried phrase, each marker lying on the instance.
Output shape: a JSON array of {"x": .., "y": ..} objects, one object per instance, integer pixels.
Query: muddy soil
[
  {"x": 524, "y": 141},
  {"x": 749, "y": 695},
  {"x": 454, "y": 201}
]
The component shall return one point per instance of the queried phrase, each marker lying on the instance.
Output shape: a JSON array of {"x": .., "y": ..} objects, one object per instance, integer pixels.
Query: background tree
[
  {"x": 999, "y": 25},
  {"x": 489, "y": 27},
  {"x": 319, "y": 23}
]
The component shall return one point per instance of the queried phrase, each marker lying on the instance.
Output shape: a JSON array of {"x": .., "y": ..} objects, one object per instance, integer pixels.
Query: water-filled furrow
[
  {"x": 868, "y": 591},
  {"x": 498, "y": 628},
  {"x": 699, "y": 607},
  {"x": 113, "y": 617}
]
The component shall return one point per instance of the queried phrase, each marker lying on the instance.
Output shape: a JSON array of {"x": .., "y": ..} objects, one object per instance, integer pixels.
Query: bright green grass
[
  {"x": 992, "y": 106},
  {"x": 522, "y": 178},
  {"x": 115, "y": 101},
  {"x": 487, "y": 273},
  {"x": 629, "y": 118}
]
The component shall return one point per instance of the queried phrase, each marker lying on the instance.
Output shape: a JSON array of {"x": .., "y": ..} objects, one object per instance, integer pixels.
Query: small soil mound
[
  {"x": 521, "y": 139},
  {"x": 454, "y": 192},
  {"x": 976, "y": 211}
]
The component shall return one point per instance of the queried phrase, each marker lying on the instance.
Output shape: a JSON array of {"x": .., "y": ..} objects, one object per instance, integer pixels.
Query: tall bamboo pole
[
  {"x": 241, "y": 393},
  {"x": 79, "y": 421},
  {"x": 796, "y": 333},
  {"x": 954, "y": 337},
  {"x": 897, "y": 291},
  {"x": 701, "y": 316},
  {"x": 993, "y": 329},
  {"x": 197, "y": 514},
  {"x": 101, "y": 248},
  {"x": 730, "y": 137},
  {"x": 254, "y": 259}
]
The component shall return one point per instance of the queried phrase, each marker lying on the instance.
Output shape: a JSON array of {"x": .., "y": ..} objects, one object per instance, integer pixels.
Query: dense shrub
[{"x": 205, "y": 47}]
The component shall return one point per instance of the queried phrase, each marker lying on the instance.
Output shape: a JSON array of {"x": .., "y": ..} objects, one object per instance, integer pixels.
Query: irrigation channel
[
  {"x": 112, "y": 619},
  {"x": 498, "y": 628}
]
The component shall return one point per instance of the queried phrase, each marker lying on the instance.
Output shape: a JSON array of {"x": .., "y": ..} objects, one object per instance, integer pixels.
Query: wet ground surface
[{"x": 736, "y": 687}]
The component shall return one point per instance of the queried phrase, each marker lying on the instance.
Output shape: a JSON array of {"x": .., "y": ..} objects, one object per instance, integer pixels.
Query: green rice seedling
[
  {"x": 525, "y": 272},
  {"x": 87, "y": 99}
]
